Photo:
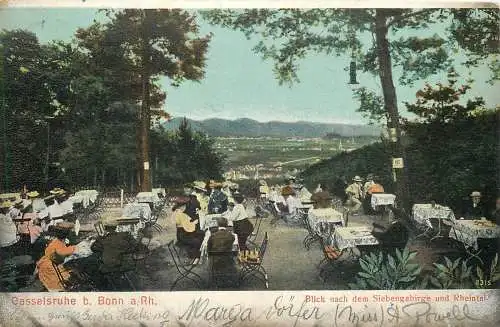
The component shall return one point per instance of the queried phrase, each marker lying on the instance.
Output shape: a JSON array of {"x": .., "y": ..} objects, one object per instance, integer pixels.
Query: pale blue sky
[{"x": 238, "y": 82}]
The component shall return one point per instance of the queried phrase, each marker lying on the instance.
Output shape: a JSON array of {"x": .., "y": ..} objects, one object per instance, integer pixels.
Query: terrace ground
[{"x": 288, "y": 264}]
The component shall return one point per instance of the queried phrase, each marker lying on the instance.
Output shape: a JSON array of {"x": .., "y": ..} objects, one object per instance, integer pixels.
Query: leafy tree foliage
[
  {"x": 451, "y": 151},
  {"x": 85, "y": 98}
]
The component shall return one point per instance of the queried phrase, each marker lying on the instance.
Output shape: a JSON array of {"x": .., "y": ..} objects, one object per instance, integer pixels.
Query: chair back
[
  {"x": 263, "y": 246},
  {"x": 65, "y": 284},
  {"x": 174, "y": 254},
  {"x": 99, "y": 227}
]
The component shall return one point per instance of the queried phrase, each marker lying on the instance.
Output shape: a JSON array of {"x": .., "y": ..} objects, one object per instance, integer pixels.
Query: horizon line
[{"x": 273, "y": 121}]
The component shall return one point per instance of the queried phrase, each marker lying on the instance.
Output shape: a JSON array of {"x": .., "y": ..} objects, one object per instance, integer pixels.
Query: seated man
[
  {"x": 475, "y": 208},
  {"x": 220, "y": 247},
  {"x": 113, "y": 247},
  {"x": 495, "y": 215}
]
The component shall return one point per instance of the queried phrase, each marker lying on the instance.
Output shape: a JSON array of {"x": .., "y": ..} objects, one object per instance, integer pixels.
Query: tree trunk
[
  {"x": 391, "y": 105},
  {"x": 145, "y": 185}
]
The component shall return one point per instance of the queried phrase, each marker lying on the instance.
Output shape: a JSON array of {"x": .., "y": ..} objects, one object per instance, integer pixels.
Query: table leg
[{"x": 438, "y": 235}]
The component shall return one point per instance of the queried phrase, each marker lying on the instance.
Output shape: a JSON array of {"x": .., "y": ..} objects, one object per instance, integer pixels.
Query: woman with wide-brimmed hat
[
  {"x": 55, "y": 253},
  {"x": 187, "y": 234},
  {"x": 8, "y": 230}
]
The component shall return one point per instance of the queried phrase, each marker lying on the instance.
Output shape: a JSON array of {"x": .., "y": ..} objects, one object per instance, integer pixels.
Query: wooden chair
[
  {"x": 185, "y": 271},
  {"x": 255, "y": 269}
]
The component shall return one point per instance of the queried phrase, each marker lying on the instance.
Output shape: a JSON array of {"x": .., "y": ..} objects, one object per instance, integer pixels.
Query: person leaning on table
[{"x": 55, "y": 252}]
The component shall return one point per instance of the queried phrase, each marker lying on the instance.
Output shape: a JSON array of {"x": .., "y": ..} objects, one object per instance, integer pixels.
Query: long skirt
[
  {"x": 243, "y": 228},
  {"x": 192, "y": 241}
]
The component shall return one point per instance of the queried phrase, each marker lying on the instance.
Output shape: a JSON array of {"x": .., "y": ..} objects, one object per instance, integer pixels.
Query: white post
[{"x": 121, "y": 198}]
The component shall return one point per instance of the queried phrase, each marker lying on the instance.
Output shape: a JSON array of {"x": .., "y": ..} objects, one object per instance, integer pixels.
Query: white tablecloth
[
  {"x": 85, "y": 197},
  {"x": 133, "y": 229},
  {"x": 204, "y": 245},
  {"x": 322, "y": 220},
  {"x": 351, "y": 237},
  {"x": 422, "y": 213},
  {"x": 137, "y": 210},
  {"x": 82, "y": 250},
  {"x": 468, "y": 231},
  {"x": 382, "y": 199},
  {"x": 159, "y": 191},
  {"x": 148, "y": 197},
  {"x": 208, "y": 221}
]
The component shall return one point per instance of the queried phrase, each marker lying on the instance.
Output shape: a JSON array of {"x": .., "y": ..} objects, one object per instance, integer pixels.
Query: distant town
[{"x": 274, "y": 158}]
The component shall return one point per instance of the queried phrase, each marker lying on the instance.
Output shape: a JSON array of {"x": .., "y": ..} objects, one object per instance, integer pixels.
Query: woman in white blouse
[{"x": 241, "y": 224}]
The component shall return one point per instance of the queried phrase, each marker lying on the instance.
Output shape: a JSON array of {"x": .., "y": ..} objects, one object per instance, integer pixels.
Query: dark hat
[
  {"x": 181, "y": 199},
  {"x": 287, "y": 190},
  {"x": 111, "y": 223},
  {"x": 64, "y": 226}
]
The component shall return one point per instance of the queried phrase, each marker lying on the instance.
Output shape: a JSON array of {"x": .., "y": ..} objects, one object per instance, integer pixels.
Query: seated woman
[
  {"x": 8, "y": 231},
  {"x": 55, "y": 253},
  {"x": 186, "y": 230},
  {"x": 241, "y": 224}
]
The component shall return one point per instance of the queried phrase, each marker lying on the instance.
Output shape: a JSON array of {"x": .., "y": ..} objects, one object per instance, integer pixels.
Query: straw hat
[
  {"x": 181, "y": 200},
  {"x": 475, "y": 194},
  {"x": 287, "y": 190},
  {"x": 18, "y": 202},
  {"x": 199, "y": 185},
  {"x": 64, "y": 225},
  {"x": 33, "y": 194},
  {"x": 262, "y": 182},
  {"x": 357, "y": 179},
  {"x": 5, "y": 204},
  {"x": 57, "y": 191},
  {"x": 217, "y": 184}
]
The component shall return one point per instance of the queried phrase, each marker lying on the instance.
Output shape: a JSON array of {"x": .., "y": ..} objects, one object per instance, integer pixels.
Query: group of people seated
[
  {"x": 359, "y": 193},
  {"x": 202, "y": 200},
  {"x": 27, "y": 215}
]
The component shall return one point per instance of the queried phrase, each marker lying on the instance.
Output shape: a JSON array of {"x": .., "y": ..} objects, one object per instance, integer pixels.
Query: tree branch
[{"x": 412, "y": 14}]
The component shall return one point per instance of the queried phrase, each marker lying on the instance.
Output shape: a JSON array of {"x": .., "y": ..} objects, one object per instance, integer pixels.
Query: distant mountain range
[{"x": 245, "y": 127}]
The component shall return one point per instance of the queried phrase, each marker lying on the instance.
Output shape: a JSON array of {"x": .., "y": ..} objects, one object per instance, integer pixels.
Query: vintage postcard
[{"x": 249, "y": 163}]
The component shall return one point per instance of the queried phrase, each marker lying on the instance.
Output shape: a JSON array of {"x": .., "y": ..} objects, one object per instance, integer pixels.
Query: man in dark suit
[
  {"x": 192, "y": 208},
  {"x": 475, "y": 208},
  {"x": 220, "y": 246},
  {"x": 113, "y": 247}
]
